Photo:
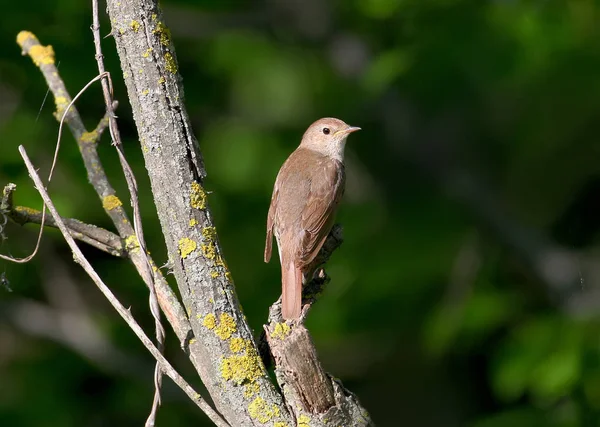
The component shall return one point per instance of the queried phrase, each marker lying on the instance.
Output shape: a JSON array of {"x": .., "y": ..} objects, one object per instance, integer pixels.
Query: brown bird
[{"x": 307, "y": 191}]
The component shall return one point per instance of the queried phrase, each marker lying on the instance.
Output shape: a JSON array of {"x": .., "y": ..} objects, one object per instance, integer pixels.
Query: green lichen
[
  {"x": 170, "y": 63},
  {"x": 281, "y": 331},
  {"x": 197, "y": 196},
  {"x": 186, "y": 246},
  {"x": 111, "y": 202},
  {"x": 260, "y": 410}
]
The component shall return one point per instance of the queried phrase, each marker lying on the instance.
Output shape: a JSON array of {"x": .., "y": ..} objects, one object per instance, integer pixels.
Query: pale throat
[{"x": 332, "y": 149}]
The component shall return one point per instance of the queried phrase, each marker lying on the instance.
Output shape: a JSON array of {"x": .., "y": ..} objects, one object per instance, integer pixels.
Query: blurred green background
[{"x": 467, "y": 290}]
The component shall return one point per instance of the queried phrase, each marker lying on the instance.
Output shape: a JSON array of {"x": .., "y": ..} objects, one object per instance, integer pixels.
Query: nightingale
[{"x": 305, "y": 198}]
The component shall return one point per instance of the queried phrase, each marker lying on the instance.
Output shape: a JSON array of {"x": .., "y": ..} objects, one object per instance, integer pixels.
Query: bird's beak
[{"x": 348, "y": 130}]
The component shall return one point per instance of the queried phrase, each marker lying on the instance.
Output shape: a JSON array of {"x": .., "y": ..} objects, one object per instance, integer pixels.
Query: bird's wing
[
  {"x": 270, "y": 223},
  {"x": 326, "y": 190}
]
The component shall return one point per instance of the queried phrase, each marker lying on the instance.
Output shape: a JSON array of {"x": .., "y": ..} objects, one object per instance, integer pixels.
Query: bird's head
[{"x": 328, "y": 136}]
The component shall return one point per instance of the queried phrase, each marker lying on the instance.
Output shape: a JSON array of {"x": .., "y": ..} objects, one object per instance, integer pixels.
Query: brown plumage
[{"x": 307, "y": 191}]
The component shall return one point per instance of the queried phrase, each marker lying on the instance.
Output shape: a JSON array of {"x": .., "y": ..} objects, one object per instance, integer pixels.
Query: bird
[{"x": 306, "y": 195}]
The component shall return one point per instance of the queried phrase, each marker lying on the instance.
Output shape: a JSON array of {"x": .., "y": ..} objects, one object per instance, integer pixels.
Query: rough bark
[
  {"x": 314, "y": 397},
  {"x": 227, "y": 357}
]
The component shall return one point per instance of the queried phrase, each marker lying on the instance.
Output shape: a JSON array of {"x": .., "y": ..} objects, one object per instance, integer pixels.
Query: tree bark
[
  {"x": 224, "y": 349},
  {"x": 231, "y": 369}
]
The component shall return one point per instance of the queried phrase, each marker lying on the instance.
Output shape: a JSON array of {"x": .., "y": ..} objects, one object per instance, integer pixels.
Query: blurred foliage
[{"x": 478, "y": 155}]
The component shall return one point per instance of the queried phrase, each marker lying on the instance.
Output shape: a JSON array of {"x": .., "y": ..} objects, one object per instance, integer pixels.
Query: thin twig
[
  {"x": 165, "y": 366},
  {"x": 98, "y": 237},
  {"x": 43, "y": 58},
  {"x": 54, "y": 159},
  {"x": 137, "y": 218}
]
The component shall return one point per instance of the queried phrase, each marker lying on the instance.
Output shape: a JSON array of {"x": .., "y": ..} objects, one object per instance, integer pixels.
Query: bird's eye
[{"x": 326, "y": 131}]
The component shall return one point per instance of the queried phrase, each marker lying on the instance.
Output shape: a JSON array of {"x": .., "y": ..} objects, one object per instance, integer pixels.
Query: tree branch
[
  {"x": 95, "y": 236},
  {"x": 231, "y": 368},
  {"x": 315, "y": 397},
  {"x": 125, "y": 314},
  {"x": 43, "y": 57}
]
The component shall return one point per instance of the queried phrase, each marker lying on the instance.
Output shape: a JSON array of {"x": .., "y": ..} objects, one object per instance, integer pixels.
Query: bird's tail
[{"x": 291, "y": 283}]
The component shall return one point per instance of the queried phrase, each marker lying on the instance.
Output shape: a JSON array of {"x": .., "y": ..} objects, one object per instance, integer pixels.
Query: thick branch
[
  {"x": 230, "y": 367},
  {"x": 316, "y": 398}
]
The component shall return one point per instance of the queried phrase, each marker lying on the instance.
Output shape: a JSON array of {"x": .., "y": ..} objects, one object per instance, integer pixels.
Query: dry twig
[{"x": 125, "y": 314}]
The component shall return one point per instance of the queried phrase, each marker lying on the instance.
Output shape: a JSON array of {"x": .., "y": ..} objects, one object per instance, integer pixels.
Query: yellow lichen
[
  {"x": 251, "y": 389},
  {"x": 281, "y": 331},
  {"x": 132, "y": 244},
  {"x": 193, "y": 341},
  {"x": 193, "y": 222},
  {"x": 24, "y": 36},
  {"x": 242, "y": 369},
  {"x": 280, "y": 424},
  {"x": 210, "y": 321},
  {"x": 61, "y": 103},
  {"x": 145, "y": 92},
  {"x": 197, "y": 196},
  {"x": 238, "y": 344},
  {"x": 260, "y": 410},
  {"x": 135, "y": 26},
  {"x": 41, "y": 55},
  {"x": 226, "y": 328},
  {"x": 27, "y": 211},
  {"x": 164, "y": 34},
  {"x": 88, "y": 137},
  {"x": 147, "y": 53},
  {"x": 209, "y": 250},
  {"x": 111, "y": 202},
  {"x": 303, "y": 421},
  {"x": 154, "y": 16},
  {"x": 186, "y": 246},
  {"x": 209, "y": 233},
  {"x": 170, "y": 63},
  {"x": 214, "y": 274},
  {"x": 161, "y": 80}
]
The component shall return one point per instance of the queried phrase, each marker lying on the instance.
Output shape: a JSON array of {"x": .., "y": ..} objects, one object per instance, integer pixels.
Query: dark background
[{"x": 466, "y": 291}]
